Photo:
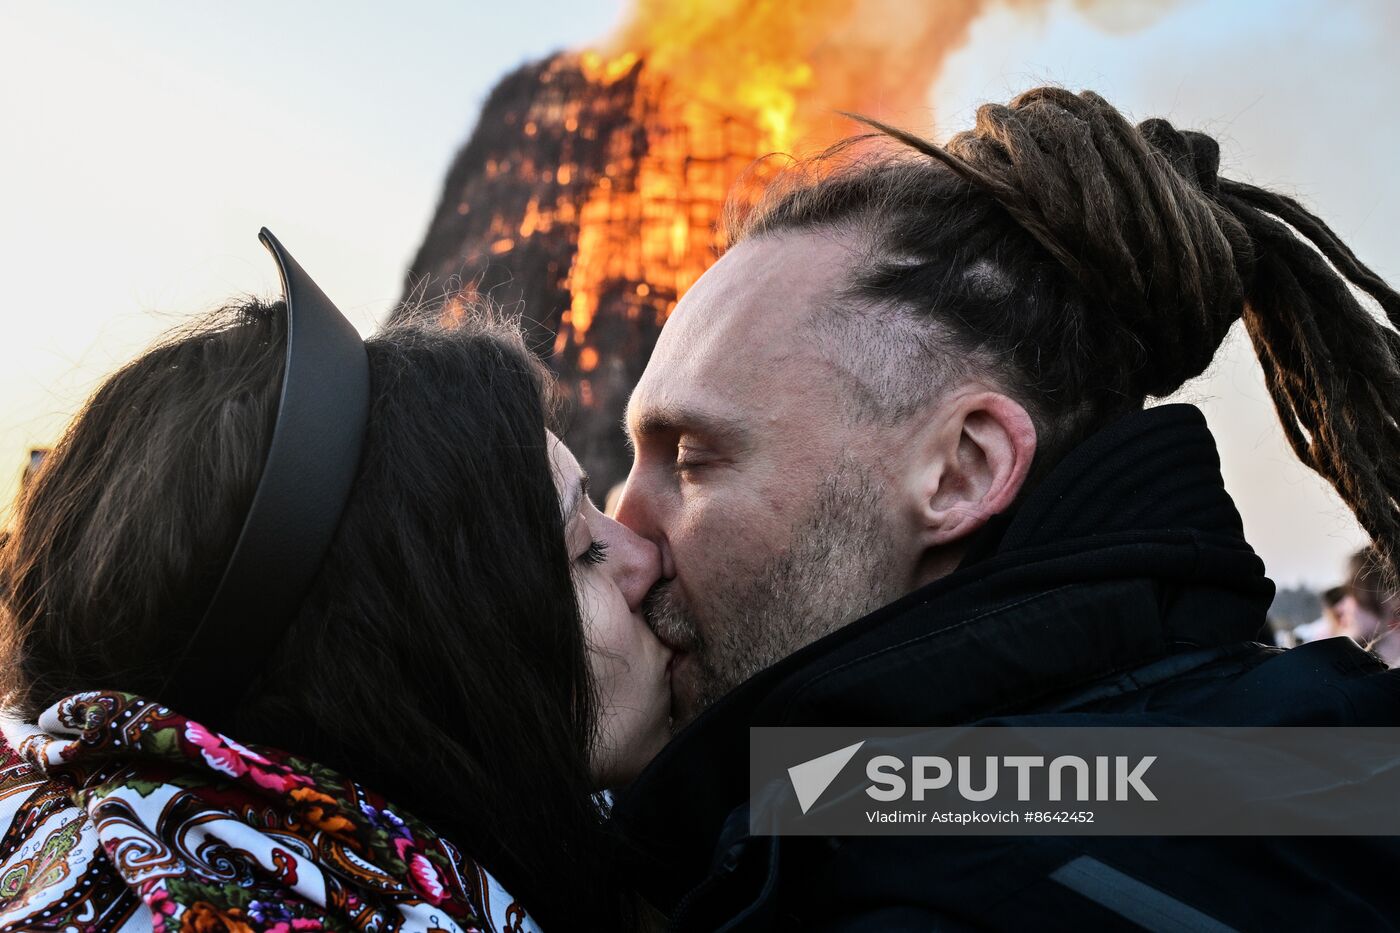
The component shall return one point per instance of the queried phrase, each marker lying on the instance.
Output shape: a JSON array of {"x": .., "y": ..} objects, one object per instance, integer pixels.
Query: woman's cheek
[{"x": 600, "y": 629}]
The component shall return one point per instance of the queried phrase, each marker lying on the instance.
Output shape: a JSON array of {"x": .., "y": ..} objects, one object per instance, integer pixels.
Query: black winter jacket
[{"x": 1120, "y": 589}]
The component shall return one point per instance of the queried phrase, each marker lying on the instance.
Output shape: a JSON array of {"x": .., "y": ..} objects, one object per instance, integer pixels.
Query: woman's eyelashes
[{"x": 596, "y": 553}]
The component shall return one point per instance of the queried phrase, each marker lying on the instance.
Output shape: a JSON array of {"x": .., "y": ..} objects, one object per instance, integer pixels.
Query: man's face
[{"x": 767, "y": 499}]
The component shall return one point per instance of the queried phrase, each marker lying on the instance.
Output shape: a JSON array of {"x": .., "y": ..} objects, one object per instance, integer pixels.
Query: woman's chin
[{"x": 623, "y": 765}]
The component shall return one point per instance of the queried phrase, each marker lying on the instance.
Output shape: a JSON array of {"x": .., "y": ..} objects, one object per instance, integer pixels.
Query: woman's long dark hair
[
  {"x": 440, "y": 658},
  {"x": 1089, "y": 264}
]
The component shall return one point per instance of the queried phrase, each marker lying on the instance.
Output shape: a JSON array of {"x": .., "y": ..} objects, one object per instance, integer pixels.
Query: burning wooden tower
[
  {"x": 590, "y": 191},
  {"x": 564, "y": 203}
]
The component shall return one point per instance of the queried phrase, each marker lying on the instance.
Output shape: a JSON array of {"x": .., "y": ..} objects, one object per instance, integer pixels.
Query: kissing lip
[{"x": 676, "y": 647}]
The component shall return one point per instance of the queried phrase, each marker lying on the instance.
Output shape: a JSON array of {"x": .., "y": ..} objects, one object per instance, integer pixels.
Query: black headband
[{"x": 306, "y": 480}]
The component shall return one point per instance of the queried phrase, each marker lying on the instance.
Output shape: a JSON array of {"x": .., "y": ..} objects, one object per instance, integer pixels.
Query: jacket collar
[{"x": 1057, "y": 594}]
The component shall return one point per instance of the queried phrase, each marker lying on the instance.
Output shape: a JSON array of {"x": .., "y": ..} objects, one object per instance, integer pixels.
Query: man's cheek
[{"x": 719, "y": 535}]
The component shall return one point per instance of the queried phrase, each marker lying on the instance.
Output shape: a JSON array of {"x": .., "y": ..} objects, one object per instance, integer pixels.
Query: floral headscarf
[{"x": 119, "y": 814}]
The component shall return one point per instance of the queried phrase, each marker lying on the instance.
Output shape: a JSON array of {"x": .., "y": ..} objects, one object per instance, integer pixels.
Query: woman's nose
[{"x": 636, "y": 562}]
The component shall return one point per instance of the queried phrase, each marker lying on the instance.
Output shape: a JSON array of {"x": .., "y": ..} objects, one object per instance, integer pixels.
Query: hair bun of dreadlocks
[
  {"x": 1195, "y": 156},
  {"x": 1131, "y": 213}
]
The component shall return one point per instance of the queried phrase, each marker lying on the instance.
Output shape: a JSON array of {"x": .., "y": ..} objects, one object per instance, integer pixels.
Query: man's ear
[{"x": 975, "y": 455}]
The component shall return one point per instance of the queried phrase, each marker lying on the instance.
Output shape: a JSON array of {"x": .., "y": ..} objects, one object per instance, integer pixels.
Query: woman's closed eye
[{"x": 596, "y": 552}]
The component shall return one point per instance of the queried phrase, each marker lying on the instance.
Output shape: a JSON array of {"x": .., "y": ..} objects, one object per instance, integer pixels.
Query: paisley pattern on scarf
[{"x": 121, "y": 815}]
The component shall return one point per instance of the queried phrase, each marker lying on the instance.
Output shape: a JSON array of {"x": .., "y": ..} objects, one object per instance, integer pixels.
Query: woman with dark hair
[{"x": 470, "y": 650}]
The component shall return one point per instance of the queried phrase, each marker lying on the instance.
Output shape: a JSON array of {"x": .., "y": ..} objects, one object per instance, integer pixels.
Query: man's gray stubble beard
[{"x": 837, "y": 568}]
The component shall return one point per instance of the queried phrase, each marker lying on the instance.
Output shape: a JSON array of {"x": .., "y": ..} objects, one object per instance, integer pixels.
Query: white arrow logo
[{"x": 811, "y": 778}]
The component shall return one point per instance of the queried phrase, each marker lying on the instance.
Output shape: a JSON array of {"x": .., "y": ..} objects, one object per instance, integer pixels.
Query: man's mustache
[{"x": 666, "y": 615}]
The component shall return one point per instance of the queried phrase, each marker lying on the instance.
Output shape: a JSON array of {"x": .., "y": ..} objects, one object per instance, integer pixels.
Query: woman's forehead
[
  {"x": 568, "y": 476},
  {"x": 566, "y": 465}
]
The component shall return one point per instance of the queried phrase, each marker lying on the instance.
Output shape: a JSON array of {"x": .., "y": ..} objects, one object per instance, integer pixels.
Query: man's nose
[{"x": 635, "y": 511}]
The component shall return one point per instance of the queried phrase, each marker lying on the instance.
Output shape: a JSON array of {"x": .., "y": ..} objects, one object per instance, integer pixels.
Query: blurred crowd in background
[{"x": 1365, "y": 607}]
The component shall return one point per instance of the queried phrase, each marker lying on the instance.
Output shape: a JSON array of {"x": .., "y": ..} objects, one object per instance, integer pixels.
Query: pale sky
[{"x": 143, "y": 144}]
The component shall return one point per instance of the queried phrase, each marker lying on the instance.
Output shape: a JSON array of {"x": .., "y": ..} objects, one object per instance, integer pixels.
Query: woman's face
[{"x": 613, "y": 571}]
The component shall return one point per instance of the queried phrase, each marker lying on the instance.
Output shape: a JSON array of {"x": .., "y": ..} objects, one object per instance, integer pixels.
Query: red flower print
[
  {"x": 426, "y": 879},
  {"x": 160, "y": 904},
  {"x": 294, "y": 926},
  {"x": 218, "y": 755},
  {"x": 228, "y": 757}
]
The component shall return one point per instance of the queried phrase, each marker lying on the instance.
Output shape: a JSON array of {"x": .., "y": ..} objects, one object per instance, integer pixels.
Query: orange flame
[{"x": 720, "y": 84}]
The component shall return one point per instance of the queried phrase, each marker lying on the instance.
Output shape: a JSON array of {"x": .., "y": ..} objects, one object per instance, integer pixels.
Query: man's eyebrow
[{"x": 676, "y": 420}]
